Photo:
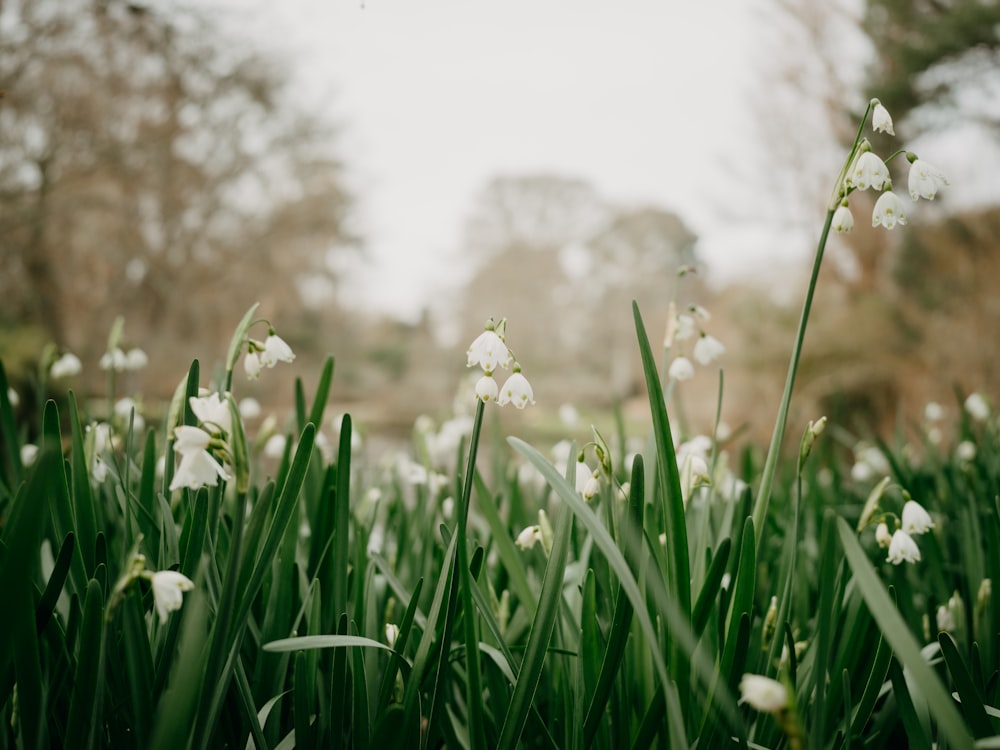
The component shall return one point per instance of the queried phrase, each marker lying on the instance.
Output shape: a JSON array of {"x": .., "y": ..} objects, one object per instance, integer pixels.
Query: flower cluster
[
  {"x": 490, "y": 351},
  {"x": 685, "y": 326},
  {"x": 119, "y": 360},
  {"x": 268, "y": 353},
  {"x": 867, "y": 170},
  {"x": 199, "y": 446},
  {"x": 913, "y": 521}
]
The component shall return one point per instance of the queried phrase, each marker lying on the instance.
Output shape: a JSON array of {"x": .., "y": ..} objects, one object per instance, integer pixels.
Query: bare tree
[{"x": 149, "y": 166}]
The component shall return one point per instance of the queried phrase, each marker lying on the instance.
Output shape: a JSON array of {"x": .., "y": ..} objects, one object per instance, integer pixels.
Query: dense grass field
[{"x": 214, "y": 581}]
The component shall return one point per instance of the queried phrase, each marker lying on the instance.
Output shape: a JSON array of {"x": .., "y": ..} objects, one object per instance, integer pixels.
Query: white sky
[{"x": 435, "y": 97}]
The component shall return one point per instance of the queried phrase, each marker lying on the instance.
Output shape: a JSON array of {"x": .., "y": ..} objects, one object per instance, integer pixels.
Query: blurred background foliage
[{"x": 153, "y": 167}]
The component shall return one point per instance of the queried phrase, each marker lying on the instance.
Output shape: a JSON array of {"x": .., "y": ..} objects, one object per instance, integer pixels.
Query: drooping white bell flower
[
  {"x": 135, "y": 359},
  {"x": 915, "y": 519},
  {"x": 275, "y": 350},
  {"x": 197, "y": 467},
  {"x": 902, "y": 548},
  {"x": 763, "y": 693},
  {"x": 252, "y": 365},
  {"x": 527, "y": 538},
  {"x": 488, "y": 351},
  {"x": 977, "y": 407},
  {"x": 212, "y": 410},
  {"x": 517, "y": 390},
  {"x": 681, "y": 369},
  {"x": 843, "y": 219},
  {"x": 889, "y": 211},
  {"x": 707, "y": 349},
  {"x": 881, "y": 120},
  {"x": 66, "y": 366},
  {"x": 882, "y": 535},
  {"x": 925, "y": 180},
  {"x": 870, "y": 172},
  {"x": 487, "y": 389},
  {"x": 168, "y": 591}
]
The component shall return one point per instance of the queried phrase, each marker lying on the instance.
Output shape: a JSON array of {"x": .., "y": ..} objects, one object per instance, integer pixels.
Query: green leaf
[
  {"x": 322, "y": 392},
  {"x": 972, "y": 701},
  {"x": 541, "y": 631},
  {"x": 895, "y": 630},
  {"x": 85, "y": 704},
  {"x": 239, "y": 338}
]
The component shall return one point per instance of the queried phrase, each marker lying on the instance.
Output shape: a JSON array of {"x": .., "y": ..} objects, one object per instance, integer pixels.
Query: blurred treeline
[{"x": 152, "y": 167}]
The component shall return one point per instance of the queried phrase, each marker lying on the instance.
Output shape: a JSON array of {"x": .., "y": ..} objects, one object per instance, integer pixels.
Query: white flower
[
  {"x": 275, "y": 446},
  {"x": 933, "y": 411},
  {"x": 965, "y": 451},
  {"x": 135, "y": 359},
  {"x": 252, "y": 365},
  {"x": 881, "y": 121},
  {"x": 700, "y": 313},
  {"x": 212, "y": 410},
  {"x": 197, "y": 467},
  {"x": 168, "y": 589},
  {"x": 583, "y": 475},
  {"x": 693, "y": 474},
  {"x": 977, "y": 407},
  {"x": 569, "y": 416},
  {"x": 66, "y": 366},
  {"x": 29, "y": 452},
  {"x": 592, "y": 487},
  {"x": 249, "y": 408},
  {"x": 707, "y": 349},
  {"x": 517, "y": 391},
  {"x": 843, "y": 219},
  {"x": 488, "y": 351},
  {"x": 391, "y": 633},
  {"x": 763, "y": 693},
  {"x": 113, "y": 360},
  {"x": 882, "y": 535},
  {"x": 916, "y": 520},
  {"x": 275, "y": 350},
  {"x": 902, "y": 547},
  {"x": 925, "y": 180},
  {"x": 487, "y": 389},
  {"x": 527, "y": 538},
  {"x": 681, "y": 369},
  {"x": 870, "y": 172},
  {"x": 889, "y": 211},
  {"x": 945, "y": 619},
  {"x": 123, "y": 410},
  {"x": 12, "y": 397}
]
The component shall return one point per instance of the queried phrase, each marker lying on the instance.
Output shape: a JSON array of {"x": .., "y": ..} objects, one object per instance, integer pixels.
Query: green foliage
[{"x": 338, "y": 605}]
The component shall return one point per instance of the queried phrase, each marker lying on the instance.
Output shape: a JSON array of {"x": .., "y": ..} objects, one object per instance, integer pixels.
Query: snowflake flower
[
  {"x": 763, "y": 693},
  {"x": 275, "y": 350},
  {"x": 168, "y": 589},
  {"x": 925, "y": 180},
  {"x": 517, "y": 390},
  {"x": 916, "y": 520},
  {"x": 902, "y": 548},
  {"x": 488, "y": 351},
  {"x": 881, "y": 121},
  {"x": 681, "y": 369},
  {"x": 843, "y": 219},
  {"x": 66, "y": 366},
  {"x": 486, "y": 389},
  {"x": 707, "y": 349},
  {"x": 870, "y": 172},
  {"x": 889, "y": 211}
]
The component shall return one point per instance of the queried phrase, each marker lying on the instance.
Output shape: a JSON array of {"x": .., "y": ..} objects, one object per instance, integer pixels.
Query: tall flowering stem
[
  {"x": 763, "y": 498},
  {"x": 474, "y": 690}
]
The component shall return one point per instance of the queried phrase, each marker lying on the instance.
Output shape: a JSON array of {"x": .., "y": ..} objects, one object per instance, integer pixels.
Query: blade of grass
[
  {"x": 85, "y": 705},
  {"x": 678, "y": 573},
  {"x": 972, "y": 701},
  {"x": 549, "y": 602}
]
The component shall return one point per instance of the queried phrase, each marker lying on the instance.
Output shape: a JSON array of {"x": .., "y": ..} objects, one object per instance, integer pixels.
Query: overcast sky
[{"x": 645, "y": 99}]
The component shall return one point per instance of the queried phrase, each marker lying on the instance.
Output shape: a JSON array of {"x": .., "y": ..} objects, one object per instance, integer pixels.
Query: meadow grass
[{"x": 178, "y": 586}]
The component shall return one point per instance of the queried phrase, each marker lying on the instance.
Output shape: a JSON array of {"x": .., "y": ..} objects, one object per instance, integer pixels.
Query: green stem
[
  {"x": 770, "y": 464},
  {"x": 473, "y": 684}
]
